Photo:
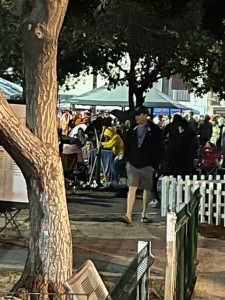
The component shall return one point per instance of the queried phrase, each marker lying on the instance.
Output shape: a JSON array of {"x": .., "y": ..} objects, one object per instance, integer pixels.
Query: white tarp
[{"x": 12, "y": 183}]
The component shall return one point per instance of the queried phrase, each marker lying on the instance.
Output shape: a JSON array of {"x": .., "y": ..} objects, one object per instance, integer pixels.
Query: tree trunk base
[{"x": 34, "y": 288}]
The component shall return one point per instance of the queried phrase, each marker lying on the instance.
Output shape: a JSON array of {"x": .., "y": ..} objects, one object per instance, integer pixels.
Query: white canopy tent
[{"x": 11, "y": 90}]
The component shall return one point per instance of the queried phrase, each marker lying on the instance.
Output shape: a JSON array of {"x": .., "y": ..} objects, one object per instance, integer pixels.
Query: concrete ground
[
  {"x": 112, "y": 245},
  {"x": 211, "y": 269}
]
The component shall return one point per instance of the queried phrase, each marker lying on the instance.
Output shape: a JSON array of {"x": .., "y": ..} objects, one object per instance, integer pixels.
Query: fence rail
[{"x": 176, "y": 192}]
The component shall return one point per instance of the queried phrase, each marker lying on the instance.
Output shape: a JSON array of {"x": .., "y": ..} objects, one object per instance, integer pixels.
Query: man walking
[{"x": 143, "y": 148}]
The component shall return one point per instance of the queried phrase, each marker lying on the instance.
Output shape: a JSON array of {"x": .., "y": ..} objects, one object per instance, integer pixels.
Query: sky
[{"x": 84, "y": 85}]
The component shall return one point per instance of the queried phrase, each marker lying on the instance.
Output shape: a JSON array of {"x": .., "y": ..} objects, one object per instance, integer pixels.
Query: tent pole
[{"x": 151, "y": 113}]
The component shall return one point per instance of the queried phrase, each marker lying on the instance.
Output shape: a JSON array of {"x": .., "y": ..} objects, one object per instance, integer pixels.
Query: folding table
[{"x": 10, "y": 210}]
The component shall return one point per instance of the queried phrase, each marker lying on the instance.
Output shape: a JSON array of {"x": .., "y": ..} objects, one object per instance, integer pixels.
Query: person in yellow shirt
[{"x": 115, "y": 143}]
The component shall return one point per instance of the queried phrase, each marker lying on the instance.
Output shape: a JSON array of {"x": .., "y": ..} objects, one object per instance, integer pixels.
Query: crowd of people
[{"x": 145, "y": 149}]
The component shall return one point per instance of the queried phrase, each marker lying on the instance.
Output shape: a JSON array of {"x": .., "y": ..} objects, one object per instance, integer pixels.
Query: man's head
[
  {"x": 141, "y": 114},
  {"x": 191, "y": 114},
  {"x": 207, "y": 118},
  {"x": 177, "y": 118}
]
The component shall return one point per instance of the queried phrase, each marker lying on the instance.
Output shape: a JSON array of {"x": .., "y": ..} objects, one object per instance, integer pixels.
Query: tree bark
[{"x": 35, "y": 149}]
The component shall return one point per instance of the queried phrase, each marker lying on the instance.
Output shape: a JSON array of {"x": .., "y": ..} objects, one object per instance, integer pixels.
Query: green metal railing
[
  {"x": 187, "y": 243},
  {"x": 129, "y": 285}
]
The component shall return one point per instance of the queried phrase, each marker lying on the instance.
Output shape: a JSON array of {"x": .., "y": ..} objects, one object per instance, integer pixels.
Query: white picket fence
[{"x": 176, "y": 192}]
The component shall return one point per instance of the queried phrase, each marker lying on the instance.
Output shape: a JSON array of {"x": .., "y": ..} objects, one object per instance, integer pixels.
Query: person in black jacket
[
  {"x": 205, "y": 130},
  {"x": 143, "y": 148},
  {"x": 185, "y": 150},
  {"x": 171, "y": 133}
]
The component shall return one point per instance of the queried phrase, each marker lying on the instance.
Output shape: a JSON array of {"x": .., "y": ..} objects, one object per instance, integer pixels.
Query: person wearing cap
[{"x": 143, "y": 148}]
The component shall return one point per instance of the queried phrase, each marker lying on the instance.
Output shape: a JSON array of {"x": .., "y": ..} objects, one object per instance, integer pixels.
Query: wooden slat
[
  {"x": 179, "y": 193},
  {"x": 202, "y": 202},
  {"x": 176, "y": 192},
  {"x": 210, "y": 219},
  {"x": 165, "y": 195},
  {"x": 218, "y": 203}
]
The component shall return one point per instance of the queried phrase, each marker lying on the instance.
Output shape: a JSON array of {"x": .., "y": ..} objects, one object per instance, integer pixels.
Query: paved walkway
[{"x": 112, "y": 245}]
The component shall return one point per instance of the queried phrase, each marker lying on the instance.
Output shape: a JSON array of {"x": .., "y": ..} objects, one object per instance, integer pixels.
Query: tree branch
[{"x": 21, "y": 144}]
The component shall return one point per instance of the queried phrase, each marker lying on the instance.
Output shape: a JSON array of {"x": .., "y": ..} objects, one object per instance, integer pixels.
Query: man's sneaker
[{"x": 154, "y": 203}]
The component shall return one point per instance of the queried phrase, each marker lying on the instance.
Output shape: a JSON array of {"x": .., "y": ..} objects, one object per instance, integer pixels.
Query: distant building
[{"x": 207, "y": 104}]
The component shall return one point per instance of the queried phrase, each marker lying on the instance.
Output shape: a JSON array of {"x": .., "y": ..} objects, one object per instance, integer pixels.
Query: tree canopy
[
  {"x": 135, "y": 41},
  {"x": 161, "y": 38},
  {"x": 11, "y": 64},
  {"x": 206, "y": 62}
]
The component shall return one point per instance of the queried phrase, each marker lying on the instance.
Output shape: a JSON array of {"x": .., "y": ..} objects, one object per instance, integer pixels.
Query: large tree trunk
[{"x": 35, "y": 149}]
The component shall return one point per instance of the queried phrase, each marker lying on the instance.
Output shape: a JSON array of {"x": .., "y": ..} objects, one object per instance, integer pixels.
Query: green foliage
[
  {"x": 10, "y": 43},
  {"x": 154, "y": 33},
  {"x": 162, "y": 37},
  {"x": 213, "y": 19},
  {"x": 204, "y": 68}
]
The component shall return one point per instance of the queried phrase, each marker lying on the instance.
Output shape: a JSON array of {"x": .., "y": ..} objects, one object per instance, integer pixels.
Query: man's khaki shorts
[{"x": 140, "y": 177}]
